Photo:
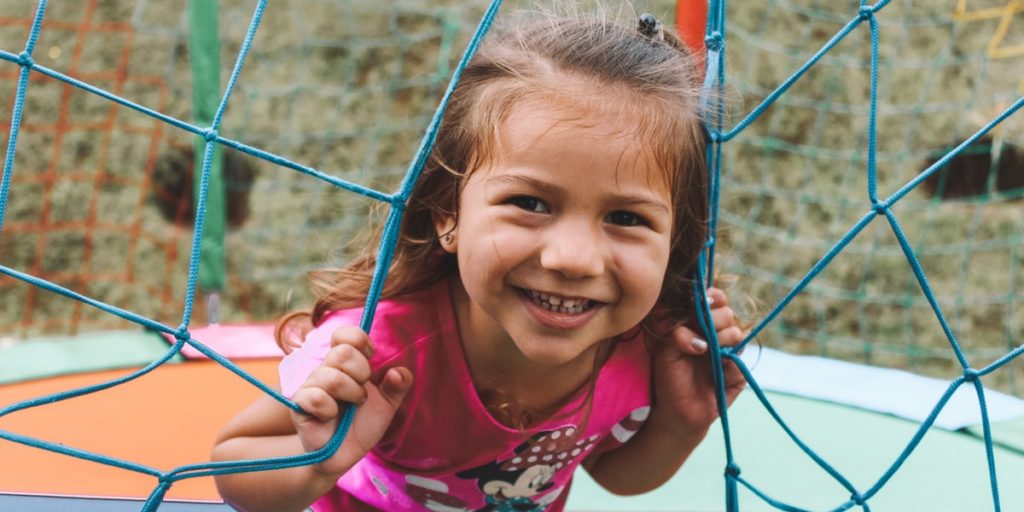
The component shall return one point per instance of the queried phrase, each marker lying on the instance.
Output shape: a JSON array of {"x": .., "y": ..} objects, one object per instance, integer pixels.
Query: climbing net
[
  {"x": 211, "y": 139},
  {"x": 792, "y": 181},
  {"x": 877, "y": 209},
  {"x": 102, "y": 201}
]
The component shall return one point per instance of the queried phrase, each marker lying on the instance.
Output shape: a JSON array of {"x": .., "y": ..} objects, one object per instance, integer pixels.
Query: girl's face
[{"x": 563, "y": 239}]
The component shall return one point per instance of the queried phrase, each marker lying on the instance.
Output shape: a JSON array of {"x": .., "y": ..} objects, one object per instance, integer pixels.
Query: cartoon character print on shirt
[{"x": 522, "y": 482}]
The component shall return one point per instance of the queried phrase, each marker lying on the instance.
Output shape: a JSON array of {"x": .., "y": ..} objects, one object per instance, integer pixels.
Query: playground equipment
[{"x": 833, "y": 113}]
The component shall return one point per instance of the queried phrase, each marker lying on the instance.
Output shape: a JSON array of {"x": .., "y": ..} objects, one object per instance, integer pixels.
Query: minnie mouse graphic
[
  {"x": 512, "y": 489},
  {"x": 520, "y": 483},
  {"x": 525, "y": 481}
]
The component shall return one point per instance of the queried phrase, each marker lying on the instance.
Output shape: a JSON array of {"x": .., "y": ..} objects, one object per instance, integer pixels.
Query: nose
[{"x": 573, "y": 249}]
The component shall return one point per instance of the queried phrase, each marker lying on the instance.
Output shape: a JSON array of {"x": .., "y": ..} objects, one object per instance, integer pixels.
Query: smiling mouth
[{"x": 556, "y": 304}]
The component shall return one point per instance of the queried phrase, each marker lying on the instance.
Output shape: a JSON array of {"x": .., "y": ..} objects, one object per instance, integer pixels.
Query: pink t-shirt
[{"x": 443, "y": 450}]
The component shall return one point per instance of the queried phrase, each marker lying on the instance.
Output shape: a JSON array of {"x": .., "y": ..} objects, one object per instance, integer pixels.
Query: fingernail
[
  {"x": 368, "y": 351},
  {"x": 711, "y": 300},
  {"x": 699, "y": 344}
]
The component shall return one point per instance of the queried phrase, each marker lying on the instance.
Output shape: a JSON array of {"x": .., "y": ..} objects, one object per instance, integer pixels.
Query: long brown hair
[{"x": 527, "y": 57}]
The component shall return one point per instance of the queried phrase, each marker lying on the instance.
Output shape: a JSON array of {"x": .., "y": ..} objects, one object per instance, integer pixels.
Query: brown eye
[
  {"x": 530, "y": 204},
  {"x": 624, "y": 218}
]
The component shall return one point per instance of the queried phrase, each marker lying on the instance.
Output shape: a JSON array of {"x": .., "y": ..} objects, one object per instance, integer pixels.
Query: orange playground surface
[{"x": 165, "y": 419}]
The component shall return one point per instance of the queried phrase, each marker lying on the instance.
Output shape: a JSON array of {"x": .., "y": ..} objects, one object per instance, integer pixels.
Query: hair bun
[{"x": 650, "y": 27}]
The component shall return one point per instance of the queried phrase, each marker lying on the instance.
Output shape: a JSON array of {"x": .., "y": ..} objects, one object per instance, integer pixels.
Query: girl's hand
[
  {"x": 683, "y": 386},
  {"x": 344, "y": 376}
]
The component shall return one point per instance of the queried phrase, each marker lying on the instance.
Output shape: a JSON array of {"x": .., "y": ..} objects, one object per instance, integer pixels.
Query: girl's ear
[{"x": 447, "y": 233}]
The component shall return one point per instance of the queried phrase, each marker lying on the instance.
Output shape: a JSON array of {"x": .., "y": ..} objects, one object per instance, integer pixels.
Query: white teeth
[{"x": 558, "y": 304}]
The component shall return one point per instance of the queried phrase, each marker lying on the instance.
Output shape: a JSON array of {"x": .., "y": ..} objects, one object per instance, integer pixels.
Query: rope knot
[
  {"x": 857, "y": 498},
  {"x": 971, "y": 375},
  {"x": 710, "y": 243},
  {"x": 181, "y": 333},
  {"x": 731, "y": 469},
  {"x": 210, "y": 134},
  {"x": 713, "y": 41},
  {"x": 865, "y": 12},
  {"x": 879, "y": 207},
  {"x": 25, "y": 59}
]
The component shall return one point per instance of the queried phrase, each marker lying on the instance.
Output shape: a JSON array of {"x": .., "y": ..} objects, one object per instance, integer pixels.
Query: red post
[{"x": 691, "y": 19}]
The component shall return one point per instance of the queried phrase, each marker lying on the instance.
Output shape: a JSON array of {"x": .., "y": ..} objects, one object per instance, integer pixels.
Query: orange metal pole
[{"x": 691, "y": 19}]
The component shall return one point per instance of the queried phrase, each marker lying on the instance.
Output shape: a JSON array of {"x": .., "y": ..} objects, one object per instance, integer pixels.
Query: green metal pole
[{"x": 204, "y": 54}]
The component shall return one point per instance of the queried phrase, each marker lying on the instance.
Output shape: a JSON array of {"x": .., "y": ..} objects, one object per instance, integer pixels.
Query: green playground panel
[
  {"x": 39, "y": 358},
  {"x": 947, "y": 471},
  {"x": 1007, "y": 434}
]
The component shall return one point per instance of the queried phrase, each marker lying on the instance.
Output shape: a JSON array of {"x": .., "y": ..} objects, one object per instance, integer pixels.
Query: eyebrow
[{"x": 631, "y": 200}]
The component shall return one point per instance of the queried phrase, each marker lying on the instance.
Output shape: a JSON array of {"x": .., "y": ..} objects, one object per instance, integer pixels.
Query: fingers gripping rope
[
  {"x": 715, "y": 42},
  {"x": 181, "y": 334},
  {"x": 877, "y": 208}
]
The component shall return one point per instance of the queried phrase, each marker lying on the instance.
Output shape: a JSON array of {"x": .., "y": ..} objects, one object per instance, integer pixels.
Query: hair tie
[{"x": 650, "y": 28}]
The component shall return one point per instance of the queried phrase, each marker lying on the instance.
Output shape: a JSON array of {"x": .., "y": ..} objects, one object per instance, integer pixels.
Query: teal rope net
[
  {"x": 791, "y": 181},
  {"x": 876, "y": 206},
  {"x": 210, "y": 134},
  {"x": 102, "y": 200}
]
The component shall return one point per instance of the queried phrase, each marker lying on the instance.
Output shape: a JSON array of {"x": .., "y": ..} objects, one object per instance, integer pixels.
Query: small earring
[{"x": 448, "y": 238}]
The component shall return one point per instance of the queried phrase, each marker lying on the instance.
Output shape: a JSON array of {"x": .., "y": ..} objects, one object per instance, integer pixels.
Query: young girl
[{"x": 538, "y": 315}]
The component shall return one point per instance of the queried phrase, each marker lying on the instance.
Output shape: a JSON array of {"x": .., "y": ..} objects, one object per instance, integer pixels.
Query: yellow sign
[{"x": 1007, "y": 15}]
